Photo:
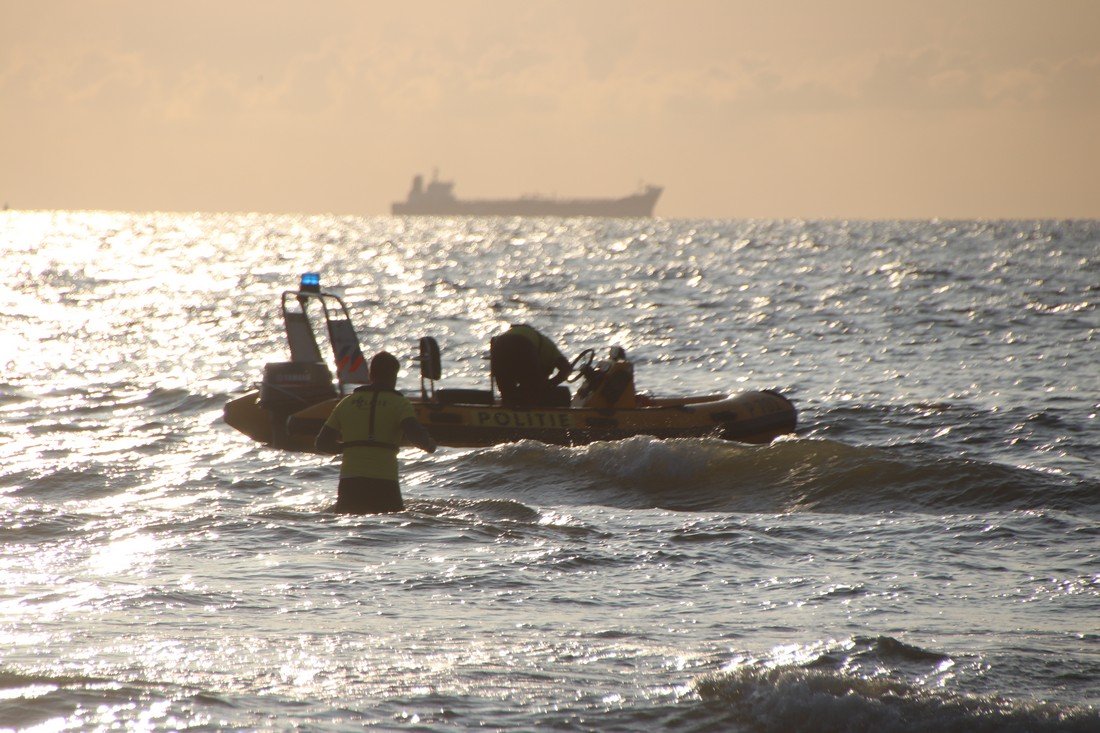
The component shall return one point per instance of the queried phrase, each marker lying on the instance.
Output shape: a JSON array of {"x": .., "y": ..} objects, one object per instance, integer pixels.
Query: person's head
[{"x": 383, "y": 370}]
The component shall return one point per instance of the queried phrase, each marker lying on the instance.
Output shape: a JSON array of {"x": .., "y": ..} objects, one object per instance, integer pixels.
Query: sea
[{"x": 923, "y": 554}]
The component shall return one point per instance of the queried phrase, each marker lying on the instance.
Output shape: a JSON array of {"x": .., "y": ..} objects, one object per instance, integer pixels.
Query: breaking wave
[
  {"x": 788, "y": 475},
  {"x": 789, "y": 698}
]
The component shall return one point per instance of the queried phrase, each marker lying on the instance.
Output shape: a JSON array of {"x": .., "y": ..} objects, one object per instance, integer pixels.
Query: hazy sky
[{"x": 789, "y": 108}]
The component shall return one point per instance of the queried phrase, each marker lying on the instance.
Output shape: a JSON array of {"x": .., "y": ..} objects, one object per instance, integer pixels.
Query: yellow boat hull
[{"x": 749, "y": 417}]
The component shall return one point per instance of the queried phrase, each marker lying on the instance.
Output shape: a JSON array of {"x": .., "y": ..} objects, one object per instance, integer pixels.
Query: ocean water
[{"x": 923, "y": 555}]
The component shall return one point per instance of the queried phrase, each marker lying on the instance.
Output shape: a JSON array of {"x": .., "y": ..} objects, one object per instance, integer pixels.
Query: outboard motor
[{"x": 290, "y": 386}]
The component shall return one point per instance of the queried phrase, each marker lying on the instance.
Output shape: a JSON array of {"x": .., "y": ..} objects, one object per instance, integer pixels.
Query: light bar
[{"x": 311, "y": 282}]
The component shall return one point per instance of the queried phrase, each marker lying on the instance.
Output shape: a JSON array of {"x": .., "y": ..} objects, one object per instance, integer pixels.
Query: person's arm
[
  {"x": 564, "y": 369},
  {"x": 417, "y": 434},
  {"x": 328, "y": 441}
]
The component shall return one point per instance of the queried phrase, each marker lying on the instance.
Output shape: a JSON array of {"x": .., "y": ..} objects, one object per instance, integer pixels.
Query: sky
[{"x": 850, "y": 109}]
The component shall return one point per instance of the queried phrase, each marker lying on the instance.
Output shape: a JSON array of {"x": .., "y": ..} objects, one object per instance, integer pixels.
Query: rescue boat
[{"x": 295, "y": 397}]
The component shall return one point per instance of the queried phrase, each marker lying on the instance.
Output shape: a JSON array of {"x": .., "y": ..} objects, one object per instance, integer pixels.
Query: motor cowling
[{"x": 289, "y": 386}]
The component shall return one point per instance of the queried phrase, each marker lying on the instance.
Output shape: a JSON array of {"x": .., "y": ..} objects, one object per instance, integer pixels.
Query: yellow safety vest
[{"x": 369, "y": 421}]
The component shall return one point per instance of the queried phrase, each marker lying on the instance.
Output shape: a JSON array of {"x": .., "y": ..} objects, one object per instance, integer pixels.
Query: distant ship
[{"x": 438, "y": 199}]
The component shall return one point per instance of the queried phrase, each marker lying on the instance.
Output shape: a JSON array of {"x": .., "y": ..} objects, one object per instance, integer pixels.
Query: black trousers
[
  {"x": 514, "y": 363},
  {"x": 358, "y": 495}
]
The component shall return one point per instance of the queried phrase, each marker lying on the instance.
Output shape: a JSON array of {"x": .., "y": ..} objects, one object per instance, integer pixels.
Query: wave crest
[
  {"x": 794, "y": 698},
  {"x": 793, "y": 474}
]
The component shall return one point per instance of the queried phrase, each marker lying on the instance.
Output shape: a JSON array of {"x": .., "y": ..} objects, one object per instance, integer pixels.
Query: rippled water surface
[{"x": 923, "y": 555}]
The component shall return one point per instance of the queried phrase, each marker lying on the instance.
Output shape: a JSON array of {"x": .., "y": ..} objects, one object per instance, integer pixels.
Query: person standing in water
[{"x": 366, "y": 427}]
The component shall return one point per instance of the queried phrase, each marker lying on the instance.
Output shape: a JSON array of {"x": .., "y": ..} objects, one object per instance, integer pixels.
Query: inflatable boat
[{"x": 295, "y": 397}]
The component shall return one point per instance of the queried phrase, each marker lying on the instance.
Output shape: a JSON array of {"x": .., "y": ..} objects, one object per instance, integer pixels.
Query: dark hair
[{"x": 383, "y": 370}]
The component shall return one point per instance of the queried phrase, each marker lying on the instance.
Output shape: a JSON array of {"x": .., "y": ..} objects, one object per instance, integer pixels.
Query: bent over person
[
  {"x": 528, "y": 367},
  {"x": 367, "y": 427}
]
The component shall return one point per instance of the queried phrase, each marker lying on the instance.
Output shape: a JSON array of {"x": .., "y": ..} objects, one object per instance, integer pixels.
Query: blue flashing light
[{"x": 311, "y": 282}]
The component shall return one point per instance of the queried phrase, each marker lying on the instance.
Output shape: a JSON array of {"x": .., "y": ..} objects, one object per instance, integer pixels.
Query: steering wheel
[{"x": 581, "y": 365}]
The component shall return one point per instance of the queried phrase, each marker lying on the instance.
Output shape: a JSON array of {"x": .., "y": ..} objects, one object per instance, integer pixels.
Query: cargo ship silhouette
[{"x": 437, "y": 199}]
